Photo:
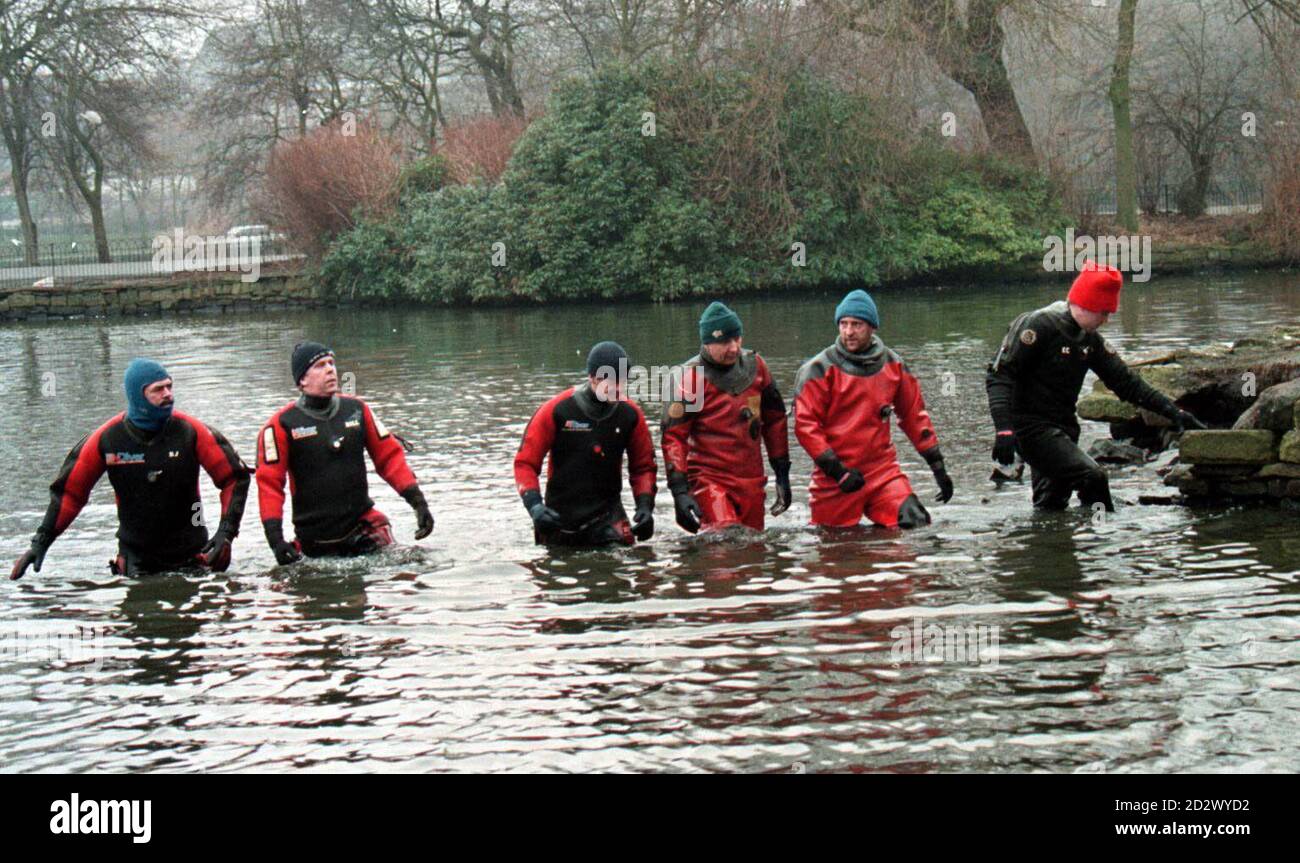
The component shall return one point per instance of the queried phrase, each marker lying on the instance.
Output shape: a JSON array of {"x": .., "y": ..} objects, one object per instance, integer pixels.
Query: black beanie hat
[
  {"x": 607, "y": 355},
  {"x": 305, "y": 355}
]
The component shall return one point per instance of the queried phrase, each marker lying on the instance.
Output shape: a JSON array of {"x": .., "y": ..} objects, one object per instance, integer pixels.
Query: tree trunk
[
  {"x": 1121, "y": 104},
  {"x": 95, "y": 203},
  {"x": 984, "y": 73},
  {"x": 31, "y": 251},
  {"x": 1191, "y": 197}
]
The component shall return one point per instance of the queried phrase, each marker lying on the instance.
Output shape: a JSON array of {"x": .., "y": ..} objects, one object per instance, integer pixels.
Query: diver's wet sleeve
[
  {"x": 272, "y": 469},
  {"x": 776, "y": 431},
  {"x": 227, "y": 469},
  {"x": 812, "y": 395},
  {"x": 678, "y": 418},
  {"x": 641, "y": 467},
  {"x": 387, "y": 453},
  {"x": 1122, "y": 381},
  {"x": 539, "y": 436},
  {"x": 70, "y": 490},
  {"x": 1015, "y": 354},
  {"x": 913, "y": 418}
]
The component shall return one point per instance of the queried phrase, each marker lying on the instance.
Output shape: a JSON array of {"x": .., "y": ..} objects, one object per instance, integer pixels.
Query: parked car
[{"x": 249, "y": 231}]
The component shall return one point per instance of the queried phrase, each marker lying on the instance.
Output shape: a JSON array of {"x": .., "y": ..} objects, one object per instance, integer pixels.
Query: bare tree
[
  {"x": 1121, "y": 103},
  {"x": 29, "y": 34},
  {"x": 106, "y": 85},
  {"x": 489, "y": 31},
  {"x": 1198, "y": 92},
  {"x": 966, "y": 40},
  {"x": 407, "y": 52},
  {"x": 270, "y": 78}
]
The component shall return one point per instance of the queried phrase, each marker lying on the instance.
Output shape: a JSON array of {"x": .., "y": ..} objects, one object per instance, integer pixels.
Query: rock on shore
[{"x": 1248, "y": 391}]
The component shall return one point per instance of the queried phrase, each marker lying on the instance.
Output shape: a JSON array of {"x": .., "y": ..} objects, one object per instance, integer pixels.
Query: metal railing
[
  {"x": 1097, "y": 195},
  {"x": 60, "y": 262}
]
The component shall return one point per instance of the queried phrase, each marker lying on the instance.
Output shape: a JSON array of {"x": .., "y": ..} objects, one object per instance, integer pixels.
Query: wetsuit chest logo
[
  {"x": 300, "y": 432},
  {"x": 117, "y": 458},
  {"x": 576, "y": 425}
]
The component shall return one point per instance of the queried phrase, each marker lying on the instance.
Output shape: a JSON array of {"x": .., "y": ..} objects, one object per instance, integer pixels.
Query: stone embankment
[
  {"x": 1247, "y": 391},
  {"x": 210, "y": 294}
]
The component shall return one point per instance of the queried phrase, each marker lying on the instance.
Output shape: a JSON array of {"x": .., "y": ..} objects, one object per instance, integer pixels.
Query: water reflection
[{"x": 1159, "y": 639}]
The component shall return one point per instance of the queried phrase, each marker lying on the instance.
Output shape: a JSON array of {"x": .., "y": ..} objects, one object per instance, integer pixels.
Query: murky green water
[{"x": 1160, "y": 640}]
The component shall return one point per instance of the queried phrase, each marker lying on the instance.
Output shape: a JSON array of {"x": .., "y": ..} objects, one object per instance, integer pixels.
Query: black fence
[
  {"x": 81, "y": 251},
  {"x": 60, "y": 261},
  {"x": 1097, "y": 195}
]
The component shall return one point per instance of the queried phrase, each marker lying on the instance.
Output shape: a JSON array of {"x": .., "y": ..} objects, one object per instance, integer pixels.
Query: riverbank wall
[
  {"x": 226, "y": 293},
  {"x": 201, "y": 293}
]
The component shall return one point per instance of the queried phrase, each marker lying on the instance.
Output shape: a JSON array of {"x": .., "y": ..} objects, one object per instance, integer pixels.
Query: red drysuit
[
  {"x": 842, "y": 403},
  {"x": 711, "y": 432}
]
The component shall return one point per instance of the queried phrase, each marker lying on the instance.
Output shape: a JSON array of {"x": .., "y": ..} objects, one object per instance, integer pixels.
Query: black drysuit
[{"x": 1033, "y": 384}]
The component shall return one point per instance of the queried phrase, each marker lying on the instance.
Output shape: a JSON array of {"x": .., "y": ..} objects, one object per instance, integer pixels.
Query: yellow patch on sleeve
[{"x": 270, "y": 452}]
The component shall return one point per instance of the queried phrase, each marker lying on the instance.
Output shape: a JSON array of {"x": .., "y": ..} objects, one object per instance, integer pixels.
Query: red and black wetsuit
[
  {"x": 711, "y": 434},
  {"x": 842, "y": 403},
  {"x": 321, "y": 451},
  {"x": 583, "y": 441},
  {"x": 155, "y": 479}
]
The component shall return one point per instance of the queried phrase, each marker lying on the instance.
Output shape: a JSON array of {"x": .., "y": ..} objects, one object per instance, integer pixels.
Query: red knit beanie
[{"x": 1097, "y": 288}]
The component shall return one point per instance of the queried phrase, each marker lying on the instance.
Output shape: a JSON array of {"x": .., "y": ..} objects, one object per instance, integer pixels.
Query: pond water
[{"x": 1159, "y": 639}]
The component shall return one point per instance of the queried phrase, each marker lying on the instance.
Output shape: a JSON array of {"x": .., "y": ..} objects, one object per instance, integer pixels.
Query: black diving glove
[
  {"x": 1185, "y": 421},
  {"x": 643, "y": 522},
  {"x": 1004, "y": 448},
  {"x": 688, "y": 511},
  {"x": 781, "y": 467},
  {"x": 285, "y": 552},
  {"x": 423, "y": 518},
  {"x": 544, "y": 518},
  {"x": 848, "y": 479},
  {"x": 216, "y": 554},
  {"x": 935, "y": 460},
  {"x": 1180, "y": 419},
  {"x": 34, "y": 556}
]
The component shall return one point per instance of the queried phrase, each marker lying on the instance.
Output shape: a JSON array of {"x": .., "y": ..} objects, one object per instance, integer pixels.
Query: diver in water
[
  {"x": 1033, "y": 384},
  {"x": 583, "y": 434},
  {"x": 152, "y": 454},
  {"x": 725, "y": 407},
  {"x": 319, "y": 443},
  {"x": 843, "y": 399}
]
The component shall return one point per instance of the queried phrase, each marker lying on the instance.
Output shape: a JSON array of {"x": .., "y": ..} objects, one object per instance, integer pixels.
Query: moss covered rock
[
  {"x": 1231, "y": 446},
  {"x": 1289, "y": 451}
]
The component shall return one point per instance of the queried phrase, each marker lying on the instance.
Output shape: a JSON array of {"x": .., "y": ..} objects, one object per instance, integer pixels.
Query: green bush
[
  {"x": 454, "y": 234},
  {"x": 590, "y": 206},
  {"x": 367, "y": 261},
  {"x": 601, "y": 209},
  {"x": 425, "y": 175}
]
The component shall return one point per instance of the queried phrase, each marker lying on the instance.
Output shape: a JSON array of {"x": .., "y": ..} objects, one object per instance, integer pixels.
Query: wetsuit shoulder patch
[
  {"x": 380, "y": 429},
  {"x": 1028, "y": 336},
  {"x": 270, "y": 451}
]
